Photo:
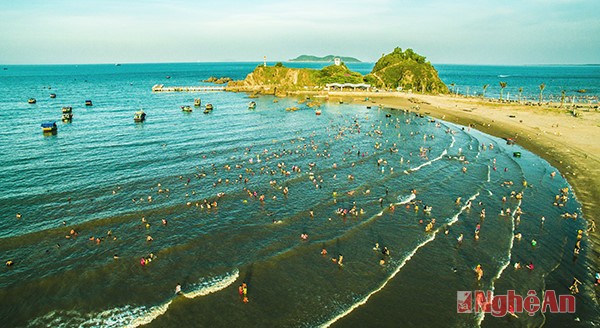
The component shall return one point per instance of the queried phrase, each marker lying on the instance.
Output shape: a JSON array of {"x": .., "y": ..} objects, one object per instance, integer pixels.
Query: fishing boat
[
  {"x": 67, "y": 117},
  {"x": 186, "y": 109},
  {"x": 139, "y": 116},
  {"x": 32, "y": 101},
  {"x": 88, "y": 103},
  {"x": 53, "y": 95},
  {"x": 252, "y": 105},
  {"x": 209, "y": 107},
  {"x": 197, "y": 102},
  {"x": 49, "y": 127}
]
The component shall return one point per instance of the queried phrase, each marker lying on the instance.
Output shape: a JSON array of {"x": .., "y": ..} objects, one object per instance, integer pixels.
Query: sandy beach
[{"x": 568, "y": 142}]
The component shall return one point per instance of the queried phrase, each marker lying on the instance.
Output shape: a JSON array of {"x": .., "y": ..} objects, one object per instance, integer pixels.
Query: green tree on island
[
  {"x": 502, "y": 86},
  {"x": 485, "y": 86},
  {"x": 542, "y": 87}
]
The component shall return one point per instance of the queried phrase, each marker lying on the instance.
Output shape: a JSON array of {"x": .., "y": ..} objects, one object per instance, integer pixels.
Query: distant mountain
[{"x": 309, "y": 58}]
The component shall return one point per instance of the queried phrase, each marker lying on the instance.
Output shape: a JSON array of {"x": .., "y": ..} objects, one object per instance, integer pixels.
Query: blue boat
[{"x": 49, "y": 127}]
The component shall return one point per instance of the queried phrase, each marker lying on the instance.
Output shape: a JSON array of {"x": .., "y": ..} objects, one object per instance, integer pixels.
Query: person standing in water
[{"x": 178, "y": 289}]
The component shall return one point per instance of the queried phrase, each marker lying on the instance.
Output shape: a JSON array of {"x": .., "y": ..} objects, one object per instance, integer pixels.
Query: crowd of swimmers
[{"x": 285, "y": 170}]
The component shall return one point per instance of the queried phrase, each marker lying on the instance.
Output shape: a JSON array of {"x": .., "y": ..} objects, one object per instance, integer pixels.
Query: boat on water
[
  {"x": 53, "y": 95},
  {"x": 88, "y": 103},
  {"x": 318, "y": 112},
  {"x": 31, "y": 101},
  {"x": 517, "y": 154},
  {"x": 139, "y": 116},
  {"x": 67, "y": 117},
  {"x": 252, "y": 105},
  {"x": 209, "y": 107},
  {"x": 197, "y": 102},
  {"x": 49, "y": 127},
  {"x": 186, "y": 109},
  {"x": 67, "y": 109}
]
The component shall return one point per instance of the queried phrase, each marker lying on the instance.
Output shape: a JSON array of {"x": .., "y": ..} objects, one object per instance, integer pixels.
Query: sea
[{"x": 104, "y": 218}]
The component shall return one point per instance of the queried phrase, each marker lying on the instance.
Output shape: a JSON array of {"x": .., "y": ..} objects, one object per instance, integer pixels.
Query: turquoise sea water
[{"x": 97, "y": 173}]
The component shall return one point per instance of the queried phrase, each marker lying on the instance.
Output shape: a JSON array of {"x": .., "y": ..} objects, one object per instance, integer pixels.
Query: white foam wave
[
  {"x": 506, "y": 263},
  {"x": 462, "y": 209},
  {"x": 214, "y": 284},
  {"x": 429, "y": 162},
  {"x": 453, "y": 141},
  {"x": 366, "y": 298},
  {"x": 404, "y": 261},
  {"x": 405, "y": 199},
  {"x": 488, "y": 174},
  {"x": 126, "y": 316},
  {"x": 131, "y": 316}
]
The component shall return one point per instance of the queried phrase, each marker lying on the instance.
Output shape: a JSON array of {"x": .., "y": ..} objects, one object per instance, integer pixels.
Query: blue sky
[{"x": 462, "y": 32}]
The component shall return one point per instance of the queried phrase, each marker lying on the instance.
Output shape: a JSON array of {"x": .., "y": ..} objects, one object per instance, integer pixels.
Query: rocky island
[{"x": 399, "y": 70}]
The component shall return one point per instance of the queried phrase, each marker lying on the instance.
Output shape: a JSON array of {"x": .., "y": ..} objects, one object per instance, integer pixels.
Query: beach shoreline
[{"x": 568, "y": 142}]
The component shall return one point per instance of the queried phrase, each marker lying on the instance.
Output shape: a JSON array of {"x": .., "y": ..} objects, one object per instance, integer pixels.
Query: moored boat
[
  {"x": 67, "y": 117},
  {"x": 67, "y": 109},
  {"x": 252, "y": 105},
  {"x": 187, "y": 109},
  {"x": 197, "y": 102},
  {"x": 88, "y": 103},
  {"x": 209, "y": 107},
  {"x": 139, "y": 116},
  {"x": 318, "y": 112},
  {"x": 517, "y": 154},
  {"x": 32, "y": 101},
  {"x": 49, "y": 127}
]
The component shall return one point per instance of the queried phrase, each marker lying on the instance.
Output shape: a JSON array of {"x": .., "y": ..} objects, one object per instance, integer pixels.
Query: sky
[{"x": 508, "y": 32}]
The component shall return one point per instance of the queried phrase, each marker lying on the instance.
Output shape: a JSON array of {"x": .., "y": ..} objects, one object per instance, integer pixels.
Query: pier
[{"x": 200, "y": 88}]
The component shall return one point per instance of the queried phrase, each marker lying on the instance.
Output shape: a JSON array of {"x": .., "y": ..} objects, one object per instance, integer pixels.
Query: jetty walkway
[{"x": 200, "y": 88}]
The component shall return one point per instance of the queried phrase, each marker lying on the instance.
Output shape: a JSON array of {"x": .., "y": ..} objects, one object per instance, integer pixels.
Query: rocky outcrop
[{"x": 406, "y": 70}]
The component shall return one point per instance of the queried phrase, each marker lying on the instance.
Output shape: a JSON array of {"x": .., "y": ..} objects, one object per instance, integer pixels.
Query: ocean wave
[
  {"x": 506, "y": 263},
  {"x": 444, "y": 153},
  {"x": 407, "y": 258},
  {"x": 132, "y": 316},
  {"x": 213, "y": 284},
  {"x": 126, "y": 316},
  {"x": 366, "y": 298}
]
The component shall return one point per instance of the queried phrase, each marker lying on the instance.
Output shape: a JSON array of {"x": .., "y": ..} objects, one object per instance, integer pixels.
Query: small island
[
  {"x": 326, "y": 59},
  {"x": 396, "y": 71}
]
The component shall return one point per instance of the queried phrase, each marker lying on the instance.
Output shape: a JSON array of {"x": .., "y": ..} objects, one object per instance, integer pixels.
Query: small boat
[
  {"x": 318, "y": 112},
  {"x": 139, "y": 116},
  {"x": 88, "y": 103},
  {"x": 388, "y": 115},
  {"x": 510, "y": 141},
  {"x": 32, "y": 101},
  {"x": 197, "y": 102},
  {"x": 67, "y": 109},
  {"x": 53, "y": 95},
  {"x": 252, "y": 105},
  {"x": 187, "y": 109},
  {"x": 209, "y": 107},
  {"x": 517, "y": 154},
  {"x": 206, "y": 111},
  {"x": 67, "y": 117},
  {"x": 49, "y": 127},
  {"x": 368, "y": 107}
]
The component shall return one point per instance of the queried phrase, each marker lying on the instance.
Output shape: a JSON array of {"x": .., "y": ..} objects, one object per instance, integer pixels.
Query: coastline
[{"x": 567, "y": 142}]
